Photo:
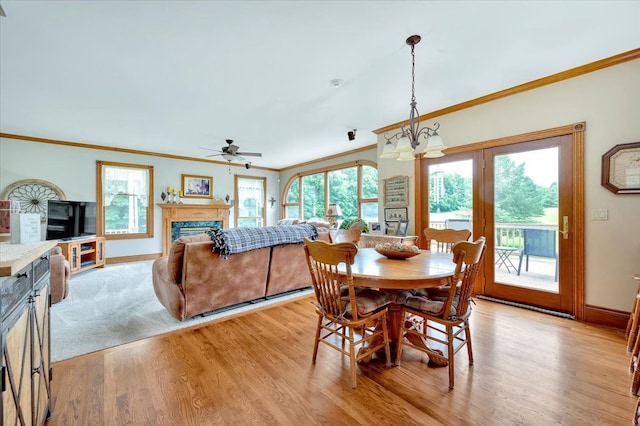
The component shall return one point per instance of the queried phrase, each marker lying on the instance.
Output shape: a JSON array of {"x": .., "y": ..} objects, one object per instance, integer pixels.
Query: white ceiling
[{"x": 175, "y": 76}]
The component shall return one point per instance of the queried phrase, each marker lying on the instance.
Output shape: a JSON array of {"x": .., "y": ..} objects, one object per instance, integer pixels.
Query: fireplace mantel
[{"x": 190, "y": 212}]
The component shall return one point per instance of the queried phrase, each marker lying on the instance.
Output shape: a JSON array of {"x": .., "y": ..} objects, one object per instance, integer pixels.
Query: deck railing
[{"x": 508, "y": 234}]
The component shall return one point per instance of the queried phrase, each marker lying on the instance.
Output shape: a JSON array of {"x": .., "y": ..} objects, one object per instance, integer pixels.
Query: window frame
[
  {"x": 325, "y": 171},
  {"x": 236, "y": 202},
  {"x": 100, "y": 214}
]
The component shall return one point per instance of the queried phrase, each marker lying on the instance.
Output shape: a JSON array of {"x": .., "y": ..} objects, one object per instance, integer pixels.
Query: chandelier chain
[
  {"x": 409, "y": 137},
  {"x": 413, "y": 74}
]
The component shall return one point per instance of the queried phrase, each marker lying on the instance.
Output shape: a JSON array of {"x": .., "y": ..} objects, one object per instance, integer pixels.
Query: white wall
[
  {"x": 609, "y": 102},
  {"x": 74, "y": 171}
]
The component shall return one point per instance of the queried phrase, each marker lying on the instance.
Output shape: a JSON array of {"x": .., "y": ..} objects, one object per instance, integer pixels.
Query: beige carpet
[{"x": 110, "y": 306}]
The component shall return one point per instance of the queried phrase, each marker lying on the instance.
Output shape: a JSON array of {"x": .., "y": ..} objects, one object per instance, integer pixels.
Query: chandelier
[{"x": 409, "y": 138}]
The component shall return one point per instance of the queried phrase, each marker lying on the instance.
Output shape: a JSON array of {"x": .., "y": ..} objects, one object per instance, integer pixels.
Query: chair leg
[
  {"x": 467, "y": 338},
  {"x": 633, "y": 365},
  {"x": 317, "y": 341},
  {"x": 352, "y": 359},
  {"x": 631, "y": 316},
  {"x": 385, "y": 335},
  {"x": 343, "y": 331},
  {"x": 634, "y": 307},
  {"x": 401, "y": 339},
  {"x": 450, "y": 354},
  {"x": 633, "y": 331},
  {"x": 520, "y": 263},
  {"x": 635, "y": 383}
]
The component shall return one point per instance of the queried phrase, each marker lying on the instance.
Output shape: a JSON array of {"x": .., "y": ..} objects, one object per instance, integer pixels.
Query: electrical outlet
[{"x": 599, "y": 214}]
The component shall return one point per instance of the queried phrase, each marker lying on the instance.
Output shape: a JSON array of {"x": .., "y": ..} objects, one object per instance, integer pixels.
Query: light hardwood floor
[{"x": 529, "y": 369}]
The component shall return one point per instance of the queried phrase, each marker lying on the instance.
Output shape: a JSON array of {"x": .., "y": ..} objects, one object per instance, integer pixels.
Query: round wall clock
[
  {"x": 33, "y": 194},
  {"x": 621, "y": 169}
]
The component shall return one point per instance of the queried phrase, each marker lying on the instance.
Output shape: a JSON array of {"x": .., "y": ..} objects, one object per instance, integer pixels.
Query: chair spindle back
[
  {"x": 444, "y": 238},
  {"x": 323, "y": 260}
]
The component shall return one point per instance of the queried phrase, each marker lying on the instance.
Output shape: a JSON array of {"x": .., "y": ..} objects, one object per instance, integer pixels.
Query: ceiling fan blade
[{"x": 250, "y": 154}]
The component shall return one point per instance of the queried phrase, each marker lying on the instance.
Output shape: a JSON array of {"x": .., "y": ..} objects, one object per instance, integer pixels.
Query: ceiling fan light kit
[
  {"x": 230, "y": 152},
  {"x": 408, "y": 139}
]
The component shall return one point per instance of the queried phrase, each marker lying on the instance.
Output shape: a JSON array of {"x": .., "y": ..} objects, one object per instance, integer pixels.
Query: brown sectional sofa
[{"x": 194, "y": 280}]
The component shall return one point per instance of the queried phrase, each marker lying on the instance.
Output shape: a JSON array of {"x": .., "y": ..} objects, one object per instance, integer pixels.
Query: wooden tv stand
[{"x": 84, "y": 254}]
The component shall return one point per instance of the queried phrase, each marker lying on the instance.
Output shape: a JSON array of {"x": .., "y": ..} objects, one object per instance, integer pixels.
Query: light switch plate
[{"x": 599, "y": 214}]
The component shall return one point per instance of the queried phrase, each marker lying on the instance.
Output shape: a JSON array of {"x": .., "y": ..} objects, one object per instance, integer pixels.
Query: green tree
[
  {"x": 449, "y": 192},
  {"x": 117, "y": 212},
  {"x": 313, "y": 196},
  {"x": 517, "y": 198},
  {"x": 369, "y": 182},
  {"x": 343, "y": 185},
  {"x": 293, "y": 196},
  {"x": 549, "y": 195}
]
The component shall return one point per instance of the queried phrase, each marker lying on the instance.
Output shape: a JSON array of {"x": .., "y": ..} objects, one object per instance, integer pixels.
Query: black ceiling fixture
[{"x": 230, "y": 152}]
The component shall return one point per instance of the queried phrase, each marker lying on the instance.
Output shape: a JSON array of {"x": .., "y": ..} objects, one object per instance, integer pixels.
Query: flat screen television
[{"x": 68, "y": 220}]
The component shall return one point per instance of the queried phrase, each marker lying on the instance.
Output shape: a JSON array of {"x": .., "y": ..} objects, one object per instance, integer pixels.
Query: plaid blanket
[{"x": 236, "y": 240}]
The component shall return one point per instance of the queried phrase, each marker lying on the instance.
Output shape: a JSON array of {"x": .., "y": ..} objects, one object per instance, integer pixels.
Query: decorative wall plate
[
  {"x": 33, "y": 195},
  {"x": 621, "y": 169}
]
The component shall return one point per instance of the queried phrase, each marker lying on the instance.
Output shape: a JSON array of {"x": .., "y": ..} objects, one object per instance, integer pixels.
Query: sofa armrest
[
  {"x": 168, "y": 292},
  {"x": 60, "y": 274}
]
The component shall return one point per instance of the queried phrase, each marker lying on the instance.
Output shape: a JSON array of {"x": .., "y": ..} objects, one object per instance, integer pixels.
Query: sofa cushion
[
  {"x": 176, "y": 254},
  {"x": 367, "y": 300}
]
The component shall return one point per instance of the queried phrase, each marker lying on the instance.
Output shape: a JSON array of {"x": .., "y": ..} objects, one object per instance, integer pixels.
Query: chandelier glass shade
[{"x": 408, "y": 138}]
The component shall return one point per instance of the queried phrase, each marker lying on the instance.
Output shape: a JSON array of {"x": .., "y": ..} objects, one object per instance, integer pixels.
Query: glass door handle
[{"x": 565, "y": 226}]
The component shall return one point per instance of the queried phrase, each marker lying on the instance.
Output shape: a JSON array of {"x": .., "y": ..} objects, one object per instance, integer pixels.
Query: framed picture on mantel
[{"x": 197, "y": 186}]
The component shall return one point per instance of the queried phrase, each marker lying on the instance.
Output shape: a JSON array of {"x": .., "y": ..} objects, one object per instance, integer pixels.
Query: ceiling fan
[{"x": 230, "y": 152}]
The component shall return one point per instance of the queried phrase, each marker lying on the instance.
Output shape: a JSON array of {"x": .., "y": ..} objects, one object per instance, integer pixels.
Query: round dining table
[{"x": 428, "y": 269}]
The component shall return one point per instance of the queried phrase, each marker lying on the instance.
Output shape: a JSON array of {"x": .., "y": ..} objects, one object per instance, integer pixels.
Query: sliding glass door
[
  {"x": 527, "y": 192},
  {"x": 520, "y": 197}
]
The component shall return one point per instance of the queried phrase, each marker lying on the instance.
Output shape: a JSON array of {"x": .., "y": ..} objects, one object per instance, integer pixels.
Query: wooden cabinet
[
  {"x": 84, "y": 254},
  {"x": 25, "y": 333}
]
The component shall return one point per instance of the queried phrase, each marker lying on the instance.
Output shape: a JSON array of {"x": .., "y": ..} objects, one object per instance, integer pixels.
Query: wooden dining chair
[
  {"x": 346, "y": 235},
  {"x": 633, "y": 328},
  {"x": 444, "y": 311},
  {"x": 633, "y": 339},
  {"x": 634, "y": 318},
  {"x": 444, "y": 238},
  {"x": 358, "y": 316},
  {"x": 441, "y": 240}
]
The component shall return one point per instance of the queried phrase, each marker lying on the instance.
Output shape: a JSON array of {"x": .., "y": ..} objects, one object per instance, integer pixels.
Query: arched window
[{"x": 352, "y": 186}]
